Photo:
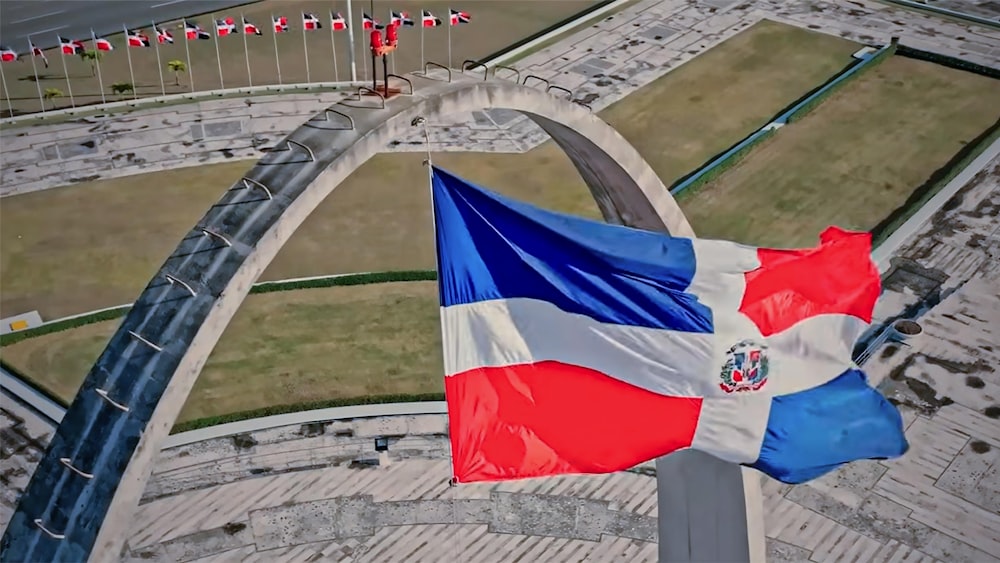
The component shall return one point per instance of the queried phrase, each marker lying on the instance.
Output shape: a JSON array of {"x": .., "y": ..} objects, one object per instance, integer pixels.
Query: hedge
[
  {"x": 814, "y": 99},
  {"x": 938, "y": 180},
  {"x": 263, "y": 287},
  {"x": 714, "y": 168},
  {"x": 65, "y": 324},
  {"x": 300, "y": 407},
  {"x": 948, "y": 61}
]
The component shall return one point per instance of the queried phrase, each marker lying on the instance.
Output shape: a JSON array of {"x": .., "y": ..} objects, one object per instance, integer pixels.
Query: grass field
[
  {"x": 376, "y": 340},
  {"x": 495, "y": 25},
  {"x": 65, "y": 250},
  {"x": 851, "y": 162}
]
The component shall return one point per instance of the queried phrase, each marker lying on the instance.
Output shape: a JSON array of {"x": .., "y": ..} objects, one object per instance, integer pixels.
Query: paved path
[
  {"x": 602, "y": 64},
  {"x": 75, "y": 18}
]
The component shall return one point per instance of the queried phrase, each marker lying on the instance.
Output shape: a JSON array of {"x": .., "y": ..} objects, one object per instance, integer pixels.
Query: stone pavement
[{"x": 601, "y": 64}]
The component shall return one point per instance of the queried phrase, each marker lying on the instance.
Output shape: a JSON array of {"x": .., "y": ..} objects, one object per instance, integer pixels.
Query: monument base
[{"x": 709, "y": 510}]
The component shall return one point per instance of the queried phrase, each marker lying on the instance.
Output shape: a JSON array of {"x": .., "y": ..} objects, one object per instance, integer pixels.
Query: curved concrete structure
[{"x": 81, "y": 498}]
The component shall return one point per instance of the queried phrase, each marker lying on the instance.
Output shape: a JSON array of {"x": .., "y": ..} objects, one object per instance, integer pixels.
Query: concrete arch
[{"x": 93, "y": 473}]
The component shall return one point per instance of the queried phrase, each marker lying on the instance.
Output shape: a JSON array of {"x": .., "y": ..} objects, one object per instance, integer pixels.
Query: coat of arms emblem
[{"x": 746, "y": 367}]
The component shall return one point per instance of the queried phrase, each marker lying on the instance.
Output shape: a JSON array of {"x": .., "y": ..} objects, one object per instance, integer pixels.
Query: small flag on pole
[
  {"x": 35, "y": 51},
  {"x": 400, "y": 18},
  {"x": 137, "y": 39},
  {"x": 429, "y": 20},
  {"x": 337, "y": 22},
  {"x": 280, "y": 24},
  {"x": 193, "y": 31},
  {"x": 459, "y": 17},
  {"x": 310, "y": 22},
  {"x": 250, "y": 29},
  {"x": 7, "y": 54},
  {"x": 71, "y": 46},
  {"x": 102, "y": 44},
  {"x": 163, "y": 35},
  {"x": 369, "y": 23},
  {"x": 224, "y": 27}
]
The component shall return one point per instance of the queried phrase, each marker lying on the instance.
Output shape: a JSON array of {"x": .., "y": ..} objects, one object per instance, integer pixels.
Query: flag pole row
[{"x": 226, "y": 26}]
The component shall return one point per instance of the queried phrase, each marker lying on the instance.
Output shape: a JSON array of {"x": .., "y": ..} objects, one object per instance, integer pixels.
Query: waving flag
[
  {"x": 369, "y": 23},
  {"x": 310, "y": 22},
  {"x": 250, "y": 29},
  {"x": 7, "y": 54},
  {"x": 573, "y": 346},
  {"x": 427, "y": 19},
  {"x": 400, "y": 18},
  {"x": 193, "y": 31},
  {"x": 337, "y": 22},
  {"x": 224, "y": 27},
  {"x": 102, "y": 44},
  {"x": 163, "y": 35},
  {"x": 280, "y": 24},
  {"x": 137, "y": 39},
  {"x": 71, "y": 46},
  {"x": 458, "y": 16},
  {"x": 35, "y": 51}
]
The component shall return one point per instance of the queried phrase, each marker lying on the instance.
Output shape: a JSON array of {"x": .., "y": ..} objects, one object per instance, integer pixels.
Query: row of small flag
[{"x": 227, "y": 26}]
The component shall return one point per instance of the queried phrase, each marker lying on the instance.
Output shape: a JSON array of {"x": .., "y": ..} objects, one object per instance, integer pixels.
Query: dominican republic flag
[
  {"x": 251, "y": 29},
  {"x": 574, "y": 346},
  {"x": 280, "y": 24},
  {"x": 194, "y": 31},
  {"x": 137, "y": 39},
  {"x": 163, "y": 35},
  {"x": 35, "y": 51},
  {"x": 337, "y": 22},
  {"x": 369, "y": 23},
  {"x": 7, "y": 54},
  {"x": 400, "y": 18},
  {"x": 310, "y": 22},
  {"x": 71, "y": 46},
  {"x": 102, "y": 44},
  {"x": 427, "y": 19},
  {"x": 225, "y": 27},
  {"x": 458, "y": 16}
]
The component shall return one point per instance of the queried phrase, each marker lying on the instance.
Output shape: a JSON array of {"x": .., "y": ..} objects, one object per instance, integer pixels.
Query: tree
[
  {"x": 122, "y": 88},
  {"x": 51, "y": 94},
  {"x": 91, "y": 57},
  {"x": 177, "y": 66}
]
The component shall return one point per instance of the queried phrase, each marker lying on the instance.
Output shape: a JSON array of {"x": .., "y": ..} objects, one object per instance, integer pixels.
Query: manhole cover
[{"x": 909, "y": 328}]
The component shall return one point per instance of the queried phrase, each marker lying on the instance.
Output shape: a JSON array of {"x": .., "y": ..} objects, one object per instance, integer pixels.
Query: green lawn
[{"x": 852, "y": 161}]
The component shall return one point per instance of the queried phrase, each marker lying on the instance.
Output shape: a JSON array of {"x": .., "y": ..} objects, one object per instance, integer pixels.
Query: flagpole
[
  {"x": 305, "y": 49},
  {"x": 34, "y": 69},
  {"x": 333, "y": 43},
  {"x": 350, "y": 44},
  {"x": 422, "y": 40},
  {"x": 246, "y": 50},
  {"x": 277, "y": 59},
  {"x": 187, "y": 49},
  {"x": 97, "y": 63},
  {"x": 218, "y": 55},
  {"x": 128, "y": 53},
  {"x": 364, "y": 60},
  {"x": 69, "y": 86},
  {"x": 6, "y": 92},
  {"x": 449, "y": 37},
  {"x": 159, "y": 65}
]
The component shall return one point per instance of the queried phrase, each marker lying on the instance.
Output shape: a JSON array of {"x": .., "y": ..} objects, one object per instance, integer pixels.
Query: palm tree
[
  {"x": 122, "y": 88},
  {"x": 178, "y": 67},
  {"x": 92, "y": 57},
  {"x": 51, "y": 94}
]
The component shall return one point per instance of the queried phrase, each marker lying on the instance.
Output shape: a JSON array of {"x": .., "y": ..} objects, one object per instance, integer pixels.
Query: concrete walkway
[{"x": 601, "y": 64}]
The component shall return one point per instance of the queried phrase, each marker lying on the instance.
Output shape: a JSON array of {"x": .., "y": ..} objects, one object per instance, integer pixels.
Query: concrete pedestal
[{"x": 709, "y": 510}]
